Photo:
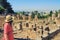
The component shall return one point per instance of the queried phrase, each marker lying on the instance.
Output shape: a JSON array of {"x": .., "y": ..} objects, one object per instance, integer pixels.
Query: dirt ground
[{"x": 26, "y": 33}]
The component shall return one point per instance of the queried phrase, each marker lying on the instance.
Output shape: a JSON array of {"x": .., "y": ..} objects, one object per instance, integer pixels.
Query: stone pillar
[
  {"x": 53, "y": 16},
  {"x": 23, "y": 17},
  {"x": 29, "y": 17},
  {"x": 18, "y": 17},
  {"x": 18, "y": 26},
  {"x": 27, "y": 24},
  {"x": 45, "y": 33},
  {"x": 13, "y": 17},
  {"x": 21, "y": 26},
  {"x": 36, "y": 18},
  {"x": 58, "y": 15},
  {"x": 49, "y": 19}
]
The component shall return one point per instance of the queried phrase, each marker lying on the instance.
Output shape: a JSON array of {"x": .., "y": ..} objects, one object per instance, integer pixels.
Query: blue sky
[{"x": 44, "y": 5}]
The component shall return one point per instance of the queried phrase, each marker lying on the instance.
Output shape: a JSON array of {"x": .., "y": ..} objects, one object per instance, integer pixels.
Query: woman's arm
[{"x": 6, "y": 36}]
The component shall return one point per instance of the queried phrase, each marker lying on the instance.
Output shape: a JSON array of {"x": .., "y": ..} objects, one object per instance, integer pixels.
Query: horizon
[{"x": 31, "y": 5}]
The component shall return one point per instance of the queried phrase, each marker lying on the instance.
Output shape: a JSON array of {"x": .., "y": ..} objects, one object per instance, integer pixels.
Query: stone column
[
  {"x": 29, "y": 17},
  {"x": 49, "y": 19},
  {"x": 53, "y": 16},
  {"x": 23, "y": 17},
  {"x": 58, "y": 15},
  {"x": 18, "y": 17},
  {"x": 35, "y": 19}
]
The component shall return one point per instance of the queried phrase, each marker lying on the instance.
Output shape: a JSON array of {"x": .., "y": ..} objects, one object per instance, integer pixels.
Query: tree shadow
[
  {"x": 21, "y": 39},
  {"x": 52, "y": 35}
]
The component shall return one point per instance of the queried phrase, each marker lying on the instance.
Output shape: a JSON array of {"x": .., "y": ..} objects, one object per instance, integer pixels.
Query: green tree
[
  {"x": 59, "y": 11},
  {"x": 51, "y": 12},
  {"x": 7, "y": 6},
  {"x": 56, "y": 13},
  {"x": 0, "y": 0},
  {"x": 32, "y": 15},
  {"x": 23, "y": 13},
  {"x": 36, "y": 12},
  {"x": 38, "y": 15},
  {"x": 1, "y": 8}
]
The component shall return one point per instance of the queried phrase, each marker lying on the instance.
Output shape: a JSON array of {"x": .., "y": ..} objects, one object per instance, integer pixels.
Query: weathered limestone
[
  {"x": 58, "y": 15},
  {"x": 36, "y": 18},
  {"x": 18, "y": 17},
  {"x": 29, "y": 17},
  {"x": 53, "y": 16},
  {"x": 23, "y": 18},
  {"x": 35, "y": 28}
]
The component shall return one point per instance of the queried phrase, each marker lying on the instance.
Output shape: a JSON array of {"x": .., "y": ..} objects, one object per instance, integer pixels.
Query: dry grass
[{"x": 2, "y": 18}]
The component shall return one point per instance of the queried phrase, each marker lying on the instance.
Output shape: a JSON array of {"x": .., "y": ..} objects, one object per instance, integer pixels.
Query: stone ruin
[
  {"x": 23, "y": 28},
  {"x": 36, "y": 26}
]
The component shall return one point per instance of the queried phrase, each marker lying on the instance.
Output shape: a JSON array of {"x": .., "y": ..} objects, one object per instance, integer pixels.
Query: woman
[{"x": 8, "y": 31}]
